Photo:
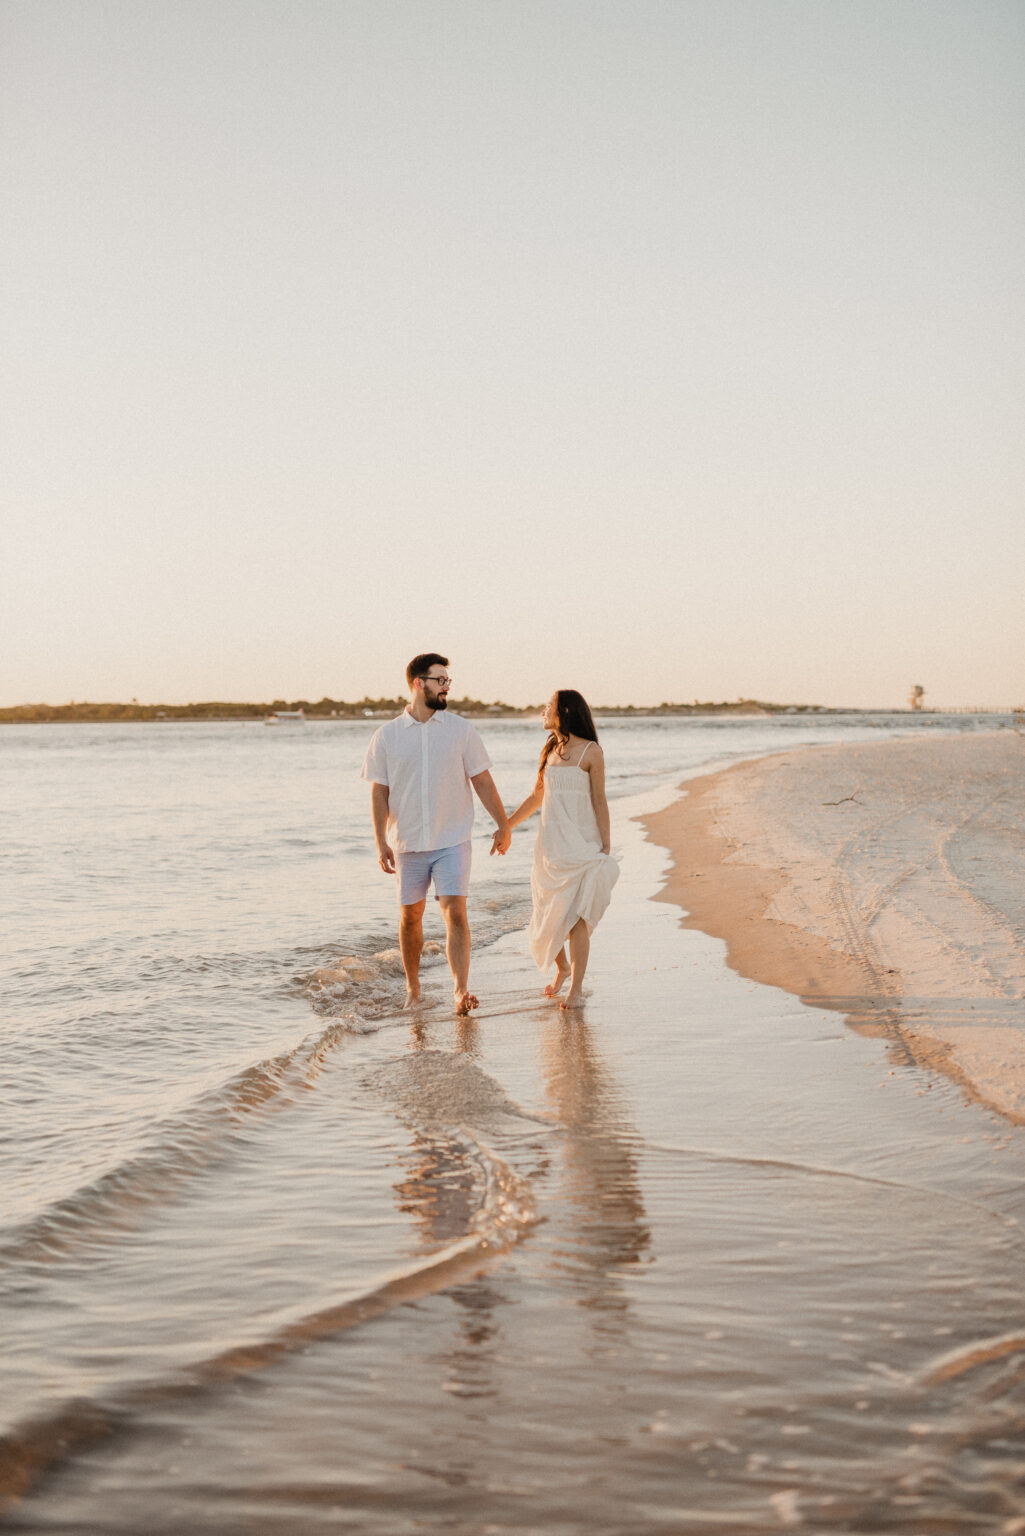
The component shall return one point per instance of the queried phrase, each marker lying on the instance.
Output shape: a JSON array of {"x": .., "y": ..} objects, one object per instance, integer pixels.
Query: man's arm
[
  {"x": 379, "y": 811},
  {"x": 487, "y": 794}
]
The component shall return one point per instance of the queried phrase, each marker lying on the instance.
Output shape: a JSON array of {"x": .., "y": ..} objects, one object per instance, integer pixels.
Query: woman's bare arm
[
  {"x": 527, "y": 809},
  {"x": 521, "y": 813}
]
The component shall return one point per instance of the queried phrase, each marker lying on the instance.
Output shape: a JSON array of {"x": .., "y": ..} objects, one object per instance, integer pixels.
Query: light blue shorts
[{"x": 449, "y": 868}]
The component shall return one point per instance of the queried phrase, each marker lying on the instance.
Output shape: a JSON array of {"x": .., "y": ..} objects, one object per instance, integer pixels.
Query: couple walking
[{"x": 421, "y": 767}]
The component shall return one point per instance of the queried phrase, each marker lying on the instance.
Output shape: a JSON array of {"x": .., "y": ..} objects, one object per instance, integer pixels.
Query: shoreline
[
  {"x": 248, "y": 714},
  {"x": 879, "y": 880},
  {"x": 151, "y": 715}
]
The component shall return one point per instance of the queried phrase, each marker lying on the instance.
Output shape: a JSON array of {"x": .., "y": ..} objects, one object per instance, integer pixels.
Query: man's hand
[
  {"x": 491, "y": 800},
  {"x": 386, "y": 858},
  {"x": 379, "y": 811}
]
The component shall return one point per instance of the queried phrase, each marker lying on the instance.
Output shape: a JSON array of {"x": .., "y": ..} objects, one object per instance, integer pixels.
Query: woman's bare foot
[
  {"x": 412, "y": 997},
  {"x": 557, "y": 985},
  {"x": 465, "y": 1003},
  {"x": 572, "y": 999}
]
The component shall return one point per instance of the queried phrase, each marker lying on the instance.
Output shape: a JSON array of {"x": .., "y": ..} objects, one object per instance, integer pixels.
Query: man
[{"x": 421, "y": 766}]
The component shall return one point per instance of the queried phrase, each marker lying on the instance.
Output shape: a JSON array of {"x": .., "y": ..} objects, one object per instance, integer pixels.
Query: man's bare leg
[
  {"x": 579, "y": 949},
  {"x": 457, "y": 950},
  {"x": 561, "y": 972},
  {"x": 411, "y": 943}
]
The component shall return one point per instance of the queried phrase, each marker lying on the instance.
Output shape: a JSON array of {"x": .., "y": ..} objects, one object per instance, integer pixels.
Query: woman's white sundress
[{"x": 571, "y": 877}]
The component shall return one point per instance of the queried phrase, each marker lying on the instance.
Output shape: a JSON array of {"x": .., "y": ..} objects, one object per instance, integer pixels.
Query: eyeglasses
[{"x": 441, "y": 681}]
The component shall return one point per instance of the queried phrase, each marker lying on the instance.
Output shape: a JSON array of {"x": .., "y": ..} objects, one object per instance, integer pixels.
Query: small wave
[
  {"x": 375, "y": 981},
  {"x": 362, "y": 987},
  {"x": 183, "y": 1148},
  {"x": 28, "y": 1451},
  {"x": 969, "y": 1357},
  {"x": 179, "y": 1150},
  {"x": 506, "y": 1212}
]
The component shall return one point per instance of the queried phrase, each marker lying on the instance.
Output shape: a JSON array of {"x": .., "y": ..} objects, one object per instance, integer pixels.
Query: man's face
[{"x": 436, "y": 685}]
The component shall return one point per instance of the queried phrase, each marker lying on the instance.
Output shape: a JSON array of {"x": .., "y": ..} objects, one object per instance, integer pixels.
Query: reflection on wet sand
[
  {"x": 602, "y": 1219},
  {"x": 441, "y": 1190},
  {"x": 443, "y": 1187},
  {"x": 467, "y": 1035},
  {"x": 586, "y": 1176}
]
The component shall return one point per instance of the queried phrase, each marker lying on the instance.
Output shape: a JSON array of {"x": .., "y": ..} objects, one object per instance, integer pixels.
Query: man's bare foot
[
  {"x": 572, "y": 1000},
  {"x": 465, "y": 1003},
  {"x": 557, "y": 985},
  {"x": 412, "y": 997}
]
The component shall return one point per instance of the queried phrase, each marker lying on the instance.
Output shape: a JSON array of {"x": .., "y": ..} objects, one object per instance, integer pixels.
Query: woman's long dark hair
[{"x": 575, "y": 719}]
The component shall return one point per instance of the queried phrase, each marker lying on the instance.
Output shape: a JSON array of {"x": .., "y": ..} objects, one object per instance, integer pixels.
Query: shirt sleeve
[
  {"x": 475, "y": 757},
  {"x": 375, "y": 764}
]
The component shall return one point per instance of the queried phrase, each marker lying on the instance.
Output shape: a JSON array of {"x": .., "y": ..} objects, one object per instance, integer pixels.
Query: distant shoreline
[
  {"x": 367, "y": 709},
  {"x": 224, "y": 714}
]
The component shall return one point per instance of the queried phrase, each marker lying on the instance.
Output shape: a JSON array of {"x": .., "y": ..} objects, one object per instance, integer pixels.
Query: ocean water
[{"x": 274, "y": 1258}]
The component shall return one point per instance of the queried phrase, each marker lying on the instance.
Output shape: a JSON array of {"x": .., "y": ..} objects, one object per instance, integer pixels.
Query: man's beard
[{"x": 438, "y": 702}]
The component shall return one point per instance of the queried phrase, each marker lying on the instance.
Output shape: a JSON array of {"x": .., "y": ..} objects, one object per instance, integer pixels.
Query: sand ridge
[{"x": 885, "y": 879}]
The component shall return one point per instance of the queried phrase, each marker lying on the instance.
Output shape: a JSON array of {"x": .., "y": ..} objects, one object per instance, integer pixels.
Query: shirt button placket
[{"x": 425, "y": 785}]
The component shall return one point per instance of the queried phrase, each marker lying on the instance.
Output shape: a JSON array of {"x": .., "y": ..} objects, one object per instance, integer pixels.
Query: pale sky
[{"x": 660, "y": 350}]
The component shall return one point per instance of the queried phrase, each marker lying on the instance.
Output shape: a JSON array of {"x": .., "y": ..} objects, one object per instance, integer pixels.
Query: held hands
[
  {"x": 386, "y": 859},
  {"x": 501, "y": 840}
]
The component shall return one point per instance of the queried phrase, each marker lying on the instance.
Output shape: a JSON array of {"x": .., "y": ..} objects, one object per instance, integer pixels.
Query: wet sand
[{"x": 884, "y": 880}]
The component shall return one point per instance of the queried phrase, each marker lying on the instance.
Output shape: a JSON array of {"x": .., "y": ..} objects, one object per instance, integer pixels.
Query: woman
[{"x": 574, "y": 871}]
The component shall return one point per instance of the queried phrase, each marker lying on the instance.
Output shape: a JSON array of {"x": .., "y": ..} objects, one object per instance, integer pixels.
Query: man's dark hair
[{"x": 421, "y": 665}]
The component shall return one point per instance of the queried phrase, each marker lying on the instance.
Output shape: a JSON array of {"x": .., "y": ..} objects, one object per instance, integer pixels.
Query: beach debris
[{"x": 846, "y": 799}]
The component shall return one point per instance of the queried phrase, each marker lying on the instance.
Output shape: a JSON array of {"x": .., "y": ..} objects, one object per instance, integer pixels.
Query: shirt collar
[{"x": 407, "y": 718}]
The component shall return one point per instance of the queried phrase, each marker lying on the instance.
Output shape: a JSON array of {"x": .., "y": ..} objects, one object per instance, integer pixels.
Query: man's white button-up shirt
[{"x": 427, "y": 769}]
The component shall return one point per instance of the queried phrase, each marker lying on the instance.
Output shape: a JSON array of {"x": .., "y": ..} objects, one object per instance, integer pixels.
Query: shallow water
[{"x": 274, "y": 1260}]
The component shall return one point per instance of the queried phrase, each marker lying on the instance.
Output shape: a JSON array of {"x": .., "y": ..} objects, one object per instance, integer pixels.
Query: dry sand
[{"x": 886, "y": 880}]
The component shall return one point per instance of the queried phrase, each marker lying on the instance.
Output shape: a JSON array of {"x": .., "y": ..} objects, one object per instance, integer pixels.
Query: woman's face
[{"x": 550, "y": 718}]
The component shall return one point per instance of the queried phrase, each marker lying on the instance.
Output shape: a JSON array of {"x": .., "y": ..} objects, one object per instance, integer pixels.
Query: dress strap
[{"x": 583, "y": 754}]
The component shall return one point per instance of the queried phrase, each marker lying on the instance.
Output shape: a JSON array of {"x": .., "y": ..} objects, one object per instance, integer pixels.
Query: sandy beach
[{"x": 883, "y": 880}]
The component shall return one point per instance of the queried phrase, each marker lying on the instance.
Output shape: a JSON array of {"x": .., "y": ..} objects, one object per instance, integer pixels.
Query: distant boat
[{"x": 287, "y": 717}]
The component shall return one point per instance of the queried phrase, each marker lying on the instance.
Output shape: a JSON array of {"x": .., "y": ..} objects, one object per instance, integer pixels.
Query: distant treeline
[
  {"x": 211, "y": 710},
  {"x": 44, "y": 714}
]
